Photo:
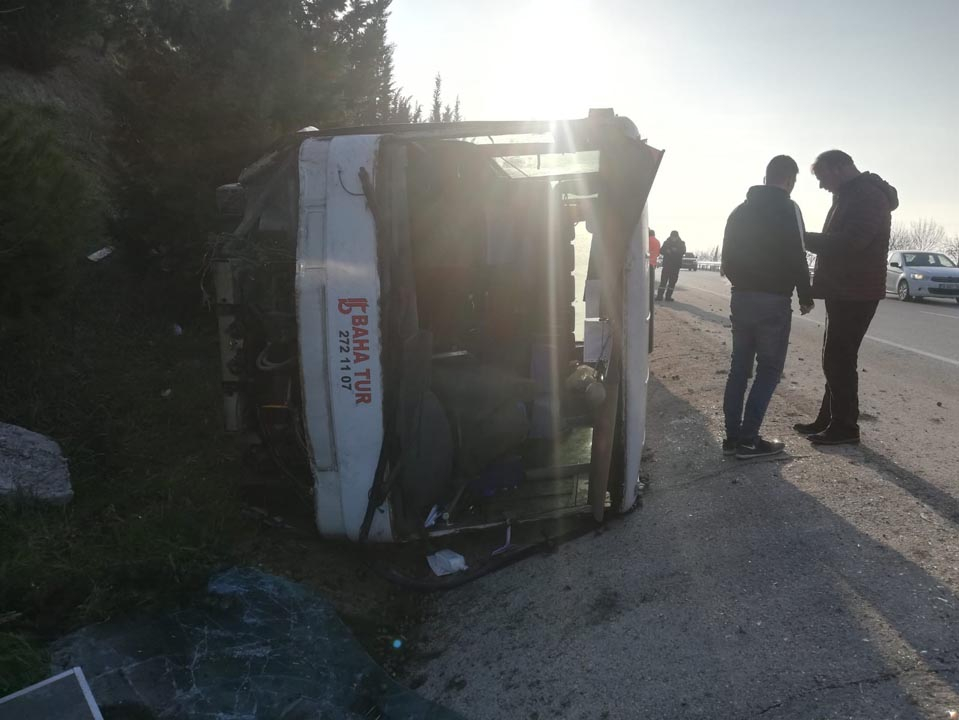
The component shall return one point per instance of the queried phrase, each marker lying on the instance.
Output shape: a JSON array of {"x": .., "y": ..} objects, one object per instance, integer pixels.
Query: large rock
[{"x": 32, "y": 466}]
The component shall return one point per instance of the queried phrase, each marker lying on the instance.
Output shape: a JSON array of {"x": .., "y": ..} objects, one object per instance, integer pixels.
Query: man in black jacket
[
  {"x": 763, "y": 258},
  {"x": 851, "y": 279},
  {"x": 671, "y": 256}
]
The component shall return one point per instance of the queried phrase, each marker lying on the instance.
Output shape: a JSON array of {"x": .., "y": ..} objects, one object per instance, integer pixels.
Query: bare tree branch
[
  {"x": 951, "y": 248},
  {"x": 925, "y": 235},
  {"x": 899, "y": 237}
]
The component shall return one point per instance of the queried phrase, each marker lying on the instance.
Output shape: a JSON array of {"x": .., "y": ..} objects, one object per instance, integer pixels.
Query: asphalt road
[
  {"x": 929, "y": 328},
  {"x": 909, "y": 384},
  {"x": 822, "y": 584}
]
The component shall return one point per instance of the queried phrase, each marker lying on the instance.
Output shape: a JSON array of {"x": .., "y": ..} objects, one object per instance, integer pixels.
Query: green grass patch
[
  {"x": 155, "y": 505},
  {"x": 21, "y": 663}
]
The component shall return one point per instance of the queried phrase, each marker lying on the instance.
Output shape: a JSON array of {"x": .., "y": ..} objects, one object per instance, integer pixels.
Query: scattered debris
[
  {"x": 100, "y": 254},
  {"x": 446, "y": 562},
  {"x": 432, "y": 517}
]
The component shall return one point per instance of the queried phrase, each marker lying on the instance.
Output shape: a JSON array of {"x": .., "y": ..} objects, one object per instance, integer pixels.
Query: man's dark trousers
[
  {"x": 761, "y": 324},
  {"x": 846, "y": 324},
  {"x": 668, "y": 278}
]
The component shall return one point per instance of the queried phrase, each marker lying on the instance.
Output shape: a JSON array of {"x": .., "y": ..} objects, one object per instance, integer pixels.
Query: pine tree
[
  {"x": 207, "y": 85},
  {"x": 34, "y": 34},
  {"x": 436, "y": 114}
]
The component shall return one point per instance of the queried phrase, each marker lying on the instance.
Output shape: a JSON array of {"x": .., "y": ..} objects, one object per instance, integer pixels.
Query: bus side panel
[
  {"x": 311, "y": 300},
  {"x": 636, "y": 356},
  {"x": 353, "y": 326},
  {"x": 346, "y": 232}
]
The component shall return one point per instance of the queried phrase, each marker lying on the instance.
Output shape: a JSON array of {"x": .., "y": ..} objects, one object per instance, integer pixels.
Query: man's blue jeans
[{"x": 761, "y": 324}]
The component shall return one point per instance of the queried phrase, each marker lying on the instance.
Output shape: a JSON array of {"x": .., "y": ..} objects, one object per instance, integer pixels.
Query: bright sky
[{"x": 721, "y": 85}]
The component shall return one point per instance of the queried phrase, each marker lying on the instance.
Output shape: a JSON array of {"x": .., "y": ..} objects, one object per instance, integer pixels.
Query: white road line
[
  {"x": 932, "y": 356},
  {"x": 940, "y": 358},
  {"x": 926, "y": 312}
]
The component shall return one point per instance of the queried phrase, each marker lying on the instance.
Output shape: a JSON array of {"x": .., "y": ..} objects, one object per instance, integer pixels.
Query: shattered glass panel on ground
[
  {"x": 260, "y": 647},
  {"x": 63, "y": 697}
]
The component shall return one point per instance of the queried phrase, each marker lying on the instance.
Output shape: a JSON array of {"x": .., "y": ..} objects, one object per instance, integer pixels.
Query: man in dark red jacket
[{"x": 851, "y": 277}]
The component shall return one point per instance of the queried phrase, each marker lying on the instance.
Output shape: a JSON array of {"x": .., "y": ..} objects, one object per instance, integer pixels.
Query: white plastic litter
[
  {"x": 446, "y": 562},
  {"x": 100, "y": 254}
]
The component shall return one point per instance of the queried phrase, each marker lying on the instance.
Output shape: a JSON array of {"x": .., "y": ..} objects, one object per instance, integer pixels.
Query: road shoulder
[{"x": 780, "y": 586}]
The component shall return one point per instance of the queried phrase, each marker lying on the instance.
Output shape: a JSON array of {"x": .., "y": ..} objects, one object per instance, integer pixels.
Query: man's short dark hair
[
  {"x": 652, "y": 232},
  {"x": 831, "y": 160},
  {"x": 780, "y": 169}
]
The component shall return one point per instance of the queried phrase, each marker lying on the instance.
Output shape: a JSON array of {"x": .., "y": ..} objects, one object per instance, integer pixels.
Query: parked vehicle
[
  {"x": 397, "y": 325},
  {"x": 690, "y": 262},
  {"x": 914, "y": 274}
]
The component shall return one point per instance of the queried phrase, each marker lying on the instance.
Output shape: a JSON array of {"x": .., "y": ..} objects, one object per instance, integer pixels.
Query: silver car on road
[{"x": 914, "y": 274}]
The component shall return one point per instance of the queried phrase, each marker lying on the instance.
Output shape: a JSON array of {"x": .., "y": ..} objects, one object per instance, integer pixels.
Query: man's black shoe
[
  {"x": 810, "y": 428},
  {"x": 759, "y": 448},
  {"x": 832, "y": 436},
  {"x": 669, "y": 299},
  {"x": 729, "y": 447}
]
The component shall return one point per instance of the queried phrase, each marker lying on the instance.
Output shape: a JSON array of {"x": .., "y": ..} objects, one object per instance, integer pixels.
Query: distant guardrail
[{"x": 708, "y": 265}]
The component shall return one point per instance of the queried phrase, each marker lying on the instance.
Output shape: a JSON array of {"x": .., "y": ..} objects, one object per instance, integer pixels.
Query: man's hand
[{"x": 806, "y": 309}]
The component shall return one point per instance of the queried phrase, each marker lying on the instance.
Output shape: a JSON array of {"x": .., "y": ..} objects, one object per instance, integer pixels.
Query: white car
[{"x": 914, "y": 274}]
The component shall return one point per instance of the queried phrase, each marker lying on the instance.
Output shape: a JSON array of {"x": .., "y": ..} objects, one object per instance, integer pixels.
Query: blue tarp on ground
[{"x": 262, "y": 647}]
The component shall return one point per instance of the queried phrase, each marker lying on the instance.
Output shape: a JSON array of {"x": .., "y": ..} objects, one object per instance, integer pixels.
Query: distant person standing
[
  {"x": 672, "y": 260},
  {"x": 850, "y": 276},
  {"x": 763, "y": 258},
  {"x": 653, "y": 249}
]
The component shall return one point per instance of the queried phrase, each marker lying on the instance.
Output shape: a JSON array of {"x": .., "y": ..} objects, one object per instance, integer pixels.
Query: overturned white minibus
[{"x": 438, "y": 327}]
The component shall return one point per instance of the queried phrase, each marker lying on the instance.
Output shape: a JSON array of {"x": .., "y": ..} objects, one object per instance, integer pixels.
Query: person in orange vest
[{"x": 653, "y": 249}]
